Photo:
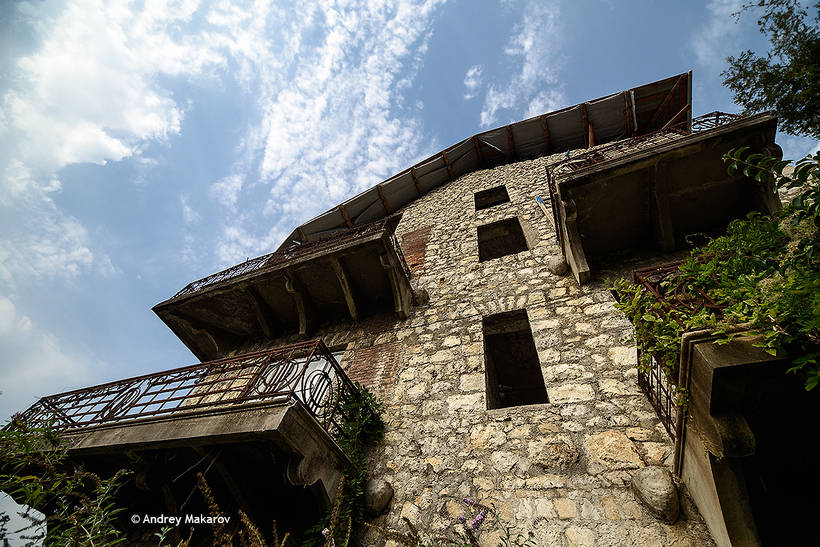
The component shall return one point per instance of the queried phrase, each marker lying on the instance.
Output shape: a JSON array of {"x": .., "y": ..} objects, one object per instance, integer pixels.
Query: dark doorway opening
[
  {"x": 494, "y": 196},
  {"x": 501, "y": 238},
  {"x": 513, "y": 371}
]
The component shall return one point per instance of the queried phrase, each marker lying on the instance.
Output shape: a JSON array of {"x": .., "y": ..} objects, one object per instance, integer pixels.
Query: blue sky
[{"x": 147, "y": 144}]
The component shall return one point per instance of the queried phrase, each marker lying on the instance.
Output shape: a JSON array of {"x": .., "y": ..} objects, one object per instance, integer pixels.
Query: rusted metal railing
[
  {"x": 293, "y": 252},
  {"x": 654, "y": 381},
  {"x": 675, "y": 293},
  {"x": 626, "y": 147},
  {"x": 305, "y": 372}
]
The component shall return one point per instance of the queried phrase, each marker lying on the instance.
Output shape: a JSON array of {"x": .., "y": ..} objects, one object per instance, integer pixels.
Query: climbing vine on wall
[
  {"x": 362, "y": 428},
  {"x": 763, "y": 274}
]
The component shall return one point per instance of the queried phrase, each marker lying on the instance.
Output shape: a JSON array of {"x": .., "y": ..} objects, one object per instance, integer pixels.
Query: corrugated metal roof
[{"x": 632, "y": 112}]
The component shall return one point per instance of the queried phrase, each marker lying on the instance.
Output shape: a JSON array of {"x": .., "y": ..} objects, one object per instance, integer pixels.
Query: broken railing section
[{"x": 304, "y": 372}]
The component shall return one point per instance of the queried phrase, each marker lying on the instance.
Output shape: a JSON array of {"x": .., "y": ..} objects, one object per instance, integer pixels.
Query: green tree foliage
[
  {"x": 78, "y": 505},
  {"x": 787, "y": 79}
]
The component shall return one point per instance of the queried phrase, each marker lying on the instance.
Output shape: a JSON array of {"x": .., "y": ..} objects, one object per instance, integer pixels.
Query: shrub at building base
[{"x": 78, "y": 506}]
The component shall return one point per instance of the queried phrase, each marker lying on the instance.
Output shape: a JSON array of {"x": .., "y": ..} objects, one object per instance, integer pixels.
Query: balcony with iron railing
[
  {"x": 305, "y": 373},
  {"x": 347, "y": 276},
  {"x": 651, "y": 191},
  {"x": 737, "y": 416},
  {"x": 254, "y": 424}
]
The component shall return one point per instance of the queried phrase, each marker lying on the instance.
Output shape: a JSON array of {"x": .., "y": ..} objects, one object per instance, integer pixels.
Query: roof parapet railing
[{"x": 284, "y": 255}]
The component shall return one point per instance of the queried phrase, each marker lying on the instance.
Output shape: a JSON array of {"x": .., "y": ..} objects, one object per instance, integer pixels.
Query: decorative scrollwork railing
[{"x": 306, "y": 372}]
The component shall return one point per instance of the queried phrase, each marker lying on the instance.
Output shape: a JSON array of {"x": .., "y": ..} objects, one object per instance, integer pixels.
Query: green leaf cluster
[
  {"x": 78, "y": 505},
  {"x": 764, "y": 273},
  {"x": 362, "y": 427},
  {"x": 787, "y": 79}
]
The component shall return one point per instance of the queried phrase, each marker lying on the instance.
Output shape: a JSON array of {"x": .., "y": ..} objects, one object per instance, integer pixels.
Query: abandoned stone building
[{"x": 469, "y": 293}]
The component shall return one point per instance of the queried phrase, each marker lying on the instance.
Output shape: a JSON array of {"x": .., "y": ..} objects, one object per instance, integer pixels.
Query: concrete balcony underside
[
  {"x": 654, "y": 196},
  {"x": 294, "y": 292},
  {"x": 283, "y": 431}
]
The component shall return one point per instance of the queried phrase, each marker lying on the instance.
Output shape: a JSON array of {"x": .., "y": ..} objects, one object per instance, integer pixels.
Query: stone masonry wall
[{"x": 560, "y": 470}]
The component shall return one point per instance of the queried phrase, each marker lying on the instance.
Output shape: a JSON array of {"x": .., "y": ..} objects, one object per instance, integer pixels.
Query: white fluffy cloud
[
  {"x": 34, "y": 362},
  {"x": 719, "y": 37},
  {"x": 472, "y": 81},
  {"x": 89, "y": 93},
  {"x": 532, "y": 49},
  {"x": 333, "y": 119}
]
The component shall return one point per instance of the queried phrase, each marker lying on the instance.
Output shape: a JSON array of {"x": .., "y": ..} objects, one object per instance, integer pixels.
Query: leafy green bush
[
  {"x": 764, "y": 273},
  {"x": 78, "y": 505}
]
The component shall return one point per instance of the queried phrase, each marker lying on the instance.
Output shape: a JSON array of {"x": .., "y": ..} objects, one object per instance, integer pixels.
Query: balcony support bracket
[{"x": 344, "y": 284}]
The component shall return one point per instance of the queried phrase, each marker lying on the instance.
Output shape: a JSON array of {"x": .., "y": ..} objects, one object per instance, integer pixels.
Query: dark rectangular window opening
[
  {"x": 513, "y": 372},
  {"x": 494, "y": 196},
  {"x": 501, "y": 238}
]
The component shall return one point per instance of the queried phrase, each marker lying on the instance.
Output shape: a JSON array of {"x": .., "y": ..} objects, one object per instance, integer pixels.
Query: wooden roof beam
[
  {"x": 585, "y": 122},
  {"x": 546, "y": 130},
  {"x": 447, "y": 163},
  {"x": 511, "y": 142},
  {"x": 346, "y": 217},
  {"x": 665, "y": 101},
  {"x": 630, "y": 129},
  {"x": 302, "y": 235},
  {"x": 344, "y": 284},
  {"x": 264, "y": 315},
  {"x": 416, "y": 181},
  {"x": 477, "y": 144},
  {"x": 384, "y": 200},
  {"x": 676, "y": 118}
]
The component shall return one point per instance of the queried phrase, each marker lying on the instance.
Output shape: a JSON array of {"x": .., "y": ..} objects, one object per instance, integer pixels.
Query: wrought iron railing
[
  {"x": 626, "y": 147},
  {"x": 293, "y": 252},
  {"x": 655, "y": 382},
  {"x": 304, "y": 372}
]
